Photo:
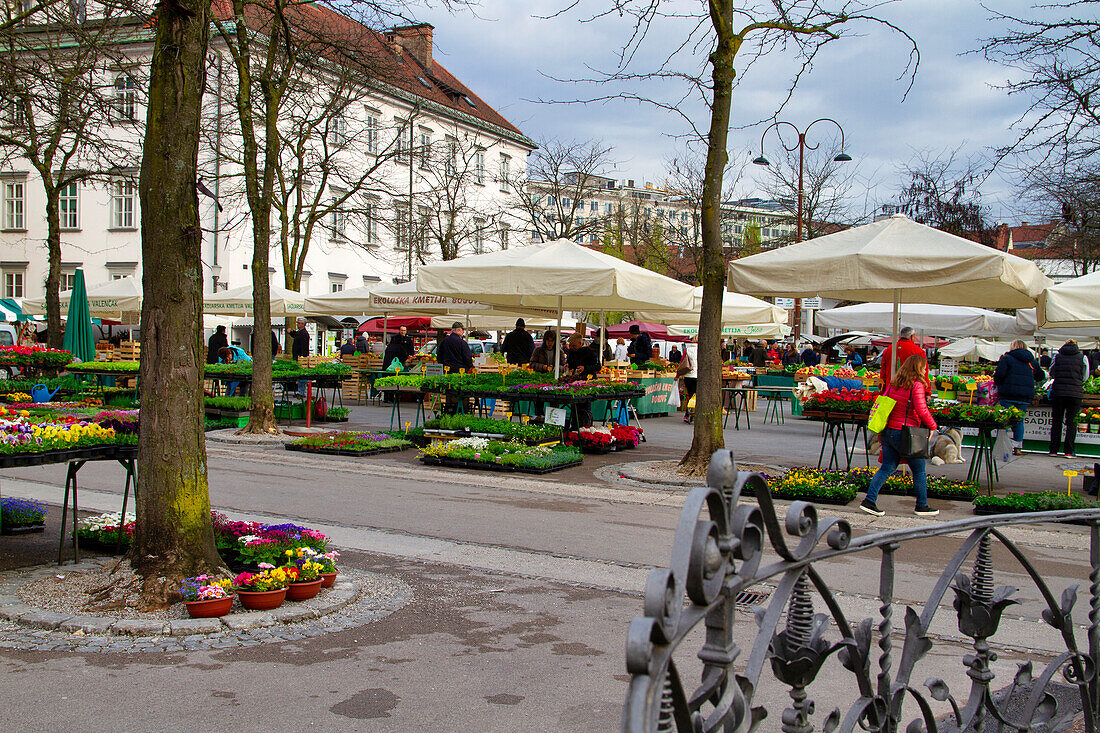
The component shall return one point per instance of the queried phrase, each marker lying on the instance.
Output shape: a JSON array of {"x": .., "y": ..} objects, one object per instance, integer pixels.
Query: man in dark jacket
[
  {"x": 1044, "y": 359},
  {"x": 361, "y": 343},
  {"x": 404, "y": 344},
  {"x": 641, "y": 346},
  {"x": 518, "y": 344},
  {"x": 299, "y": 344},
  {"x": 674, "y": 355},
  {"x": 810, "y": 357},
  {"x": 1069, "y": 370},
  {"x": 1017, "y": 372},
  {"x": 454, "y": 353},
  {"x": 218, "y": 341},
  {"x": 758, "y": 357}
]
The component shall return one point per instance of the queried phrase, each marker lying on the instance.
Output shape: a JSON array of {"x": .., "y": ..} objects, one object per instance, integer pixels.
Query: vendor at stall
[
  {"x": 906, "y": 348},
  {"x": 542, "y": 358},
  {"x": 583, "y": 363}
]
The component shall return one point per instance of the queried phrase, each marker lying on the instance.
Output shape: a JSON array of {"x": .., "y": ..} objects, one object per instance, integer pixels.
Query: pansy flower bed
[
  {"x": 350, "y": 444},
  {"x": 21, "y": 440},
  {"x": 901, "y": 484},
  {"x": 18, "y": 516},
  {"x": 493, "y": 455},
  {"x": 500, "y": 429},
  {"x": 840, "y": 487}
]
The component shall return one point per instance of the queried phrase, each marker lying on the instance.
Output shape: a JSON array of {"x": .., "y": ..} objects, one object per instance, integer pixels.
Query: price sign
[
  {"x": 949, "y": 368},
  {"x": 1070, "y": 475},
  {"x": 971, "y": 386},
  {"x": 555, "y": 416}
]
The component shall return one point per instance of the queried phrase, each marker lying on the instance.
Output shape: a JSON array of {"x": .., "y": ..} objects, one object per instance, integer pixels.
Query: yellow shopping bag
[
  {"x": 690, "y": 403},
  {"x": 880, "y": 413}
]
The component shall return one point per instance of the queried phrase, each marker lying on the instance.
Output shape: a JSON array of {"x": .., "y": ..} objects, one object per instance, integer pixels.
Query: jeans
[
  {"x": 891, "y": 439},
  {"x": 1063, "y": 410},
  {"x": 1018, "y": 426}
]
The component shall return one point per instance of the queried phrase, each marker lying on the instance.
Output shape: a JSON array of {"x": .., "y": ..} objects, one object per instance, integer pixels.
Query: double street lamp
[{"x": 801, "y": 147}]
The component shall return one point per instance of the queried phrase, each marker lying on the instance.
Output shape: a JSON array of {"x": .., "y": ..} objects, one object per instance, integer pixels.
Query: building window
[
  {"x": 401, "y": 227},
  {"x": 425, "y": 152},
  {"x": 451, "y": 164},
  {"x": 68, "y": 280},
  {"x": 125, "y": 98},
  {"x": 339, "y": 133},
  {"x": 374, "y": 127},
  {"x": 505, "y": 172},
  {"x": 13, "y": 284},
  {"x": 336, "y": 287},
  {"x": 479, "y": 167},
  {"x": 401, "y": 144},
  {"x": 123, "y": 203},
  {"x": 594, "y": 206},
  {"x": 370, "y": 221},
  {"x": 505, "y": 232},
  {"x": 607, "y": 209},
  {"x": 565, "y": 200},
  {"x": 479, "y": 236},
  {"x": 15, "y": 205},
  {"x": 339, "y": 223},
  {"x": 11, "y": 110},
  {"x": 67, "y": 203}
]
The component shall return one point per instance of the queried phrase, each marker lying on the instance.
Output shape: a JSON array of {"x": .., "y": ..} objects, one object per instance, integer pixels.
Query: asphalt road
[{"x": 523, "y": 592}]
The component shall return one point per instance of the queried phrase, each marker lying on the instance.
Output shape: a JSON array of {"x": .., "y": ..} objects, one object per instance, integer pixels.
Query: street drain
[{"x": 748, "y": 598}]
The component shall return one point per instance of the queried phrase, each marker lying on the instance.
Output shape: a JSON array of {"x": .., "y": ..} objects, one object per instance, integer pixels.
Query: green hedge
[{"x": 1043, "y": 501}]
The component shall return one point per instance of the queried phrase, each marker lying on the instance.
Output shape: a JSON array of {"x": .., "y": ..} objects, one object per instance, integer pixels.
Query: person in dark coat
[
  {"x": 218, "y": 341},
  {"x": 641, "y": 346},
  {"x": 810, "y": 356},
  {"x": 1094, "y": 362},
  {"x": 674, "y": 355},
  {"x": 405, "y": 343},
  {"x": 1017, "y": 372},
  {"x": 791, "y": 357},
  {"x": 361, "y": 343},
  {"x": 542, "y": 358},
  {"x": 348, "y": 347},
  {"x": 759, "y": 356},
  {"x": 395, "y": 349},
  {"x": 275, "y": 347},
  {"x": 299, "y": 344},
  {"x": 454, "y": 353},
  {"x": 583, "y": 363},
  {"x": 1069, "y": 370},
  {"x": 1044, "y": 359},
  {"x": 518, "y": 344}
]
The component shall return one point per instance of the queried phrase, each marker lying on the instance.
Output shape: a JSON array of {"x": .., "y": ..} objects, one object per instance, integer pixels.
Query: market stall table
[
  {"x": 982, "y": 457},
  {"x": 835, "y": 432},
  {"x": 566, "y": 401},
  {"x": 736, "y": 401},
  {"x": 395, "y": 411},
  {"x": 126, "y": 456}
]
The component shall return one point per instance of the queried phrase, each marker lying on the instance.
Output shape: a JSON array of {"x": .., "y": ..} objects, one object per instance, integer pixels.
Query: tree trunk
[
  {"x": 54, "y": 332},
  {"x": 174, "y": 537},
  {"x": 707, "y": 437}
]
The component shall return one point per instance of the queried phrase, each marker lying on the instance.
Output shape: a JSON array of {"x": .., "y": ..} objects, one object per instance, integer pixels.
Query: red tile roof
[
  {"x": 1031, "y": 234},
  {"x": 347, "y": 41}
]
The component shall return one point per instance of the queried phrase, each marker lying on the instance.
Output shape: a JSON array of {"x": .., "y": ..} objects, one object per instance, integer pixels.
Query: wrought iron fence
[{"x": 719, "y": 553}]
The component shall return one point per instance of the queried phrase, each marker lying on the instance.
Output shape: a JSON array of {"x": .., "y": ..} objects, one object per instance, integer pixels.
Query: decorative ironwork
[{"x": 719, "y": 555}]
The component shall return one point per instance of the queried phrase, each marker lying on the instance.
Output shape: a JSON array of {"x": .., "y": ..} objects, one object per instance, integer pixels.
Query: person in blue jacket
[{"x": 1017, "y": 372}]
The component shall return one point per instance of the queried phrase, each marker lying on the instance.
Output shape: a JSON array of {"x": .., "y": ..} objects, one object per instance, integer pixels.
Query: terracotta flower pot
[
  {"x": 209, "y": 608},
  {"x": 262, "y": 600},
  {"x": 327, "y": 579},
  {"x": 303, "y": 591}
]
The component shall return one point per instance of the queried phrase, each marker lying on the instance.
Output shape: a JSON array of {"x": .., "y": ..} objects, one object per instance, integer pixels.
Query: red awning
[{"x": 413, "y": 323}]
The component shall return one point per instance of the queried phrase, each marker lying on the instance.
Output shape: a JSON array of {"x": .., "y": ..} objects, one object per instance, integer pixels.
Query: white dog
[{"x": 948, "y": 447}]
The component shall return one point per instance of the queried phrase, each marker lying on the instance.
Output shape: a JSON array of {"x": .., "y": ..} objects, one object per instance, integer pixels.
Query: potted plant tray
[
  {"x": 354, "y": 452},
  {"x": 10, "y": 529},
  {"x": 484, "y": 466}
]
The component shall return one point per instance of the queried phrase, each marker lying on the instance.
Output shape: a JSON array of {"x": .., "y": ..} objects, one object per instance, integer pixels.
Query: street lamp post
[{"x": 841, "y": 157}]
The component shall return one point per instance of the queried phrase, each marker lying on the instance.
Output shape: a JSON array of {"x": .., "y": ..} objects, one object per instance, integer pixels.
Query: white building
[{"x": 411, "y": 123}]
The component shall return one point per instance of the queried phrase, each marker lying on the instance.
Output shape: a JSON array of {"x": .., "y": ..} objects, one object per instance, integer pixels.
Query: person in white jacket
[
  {"x": 691, "y": 375},
  {"x": 620, "y": 350}
]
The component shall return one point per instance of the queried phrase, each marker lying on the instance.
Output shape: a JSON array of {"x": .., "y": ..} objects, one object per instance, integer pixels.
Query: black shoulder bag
[{"x": 915, "y": 439}]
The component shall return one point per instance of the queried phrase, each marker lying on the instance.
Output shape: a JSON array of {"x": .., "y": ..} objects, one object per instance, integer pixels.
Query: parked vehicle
[{"x": 477, "y": 346}]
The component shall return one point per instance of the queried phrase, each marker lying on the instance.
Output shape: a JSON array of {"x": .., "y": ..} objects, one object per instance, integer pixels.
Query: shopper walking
[
  {"x": 909, "y": 389},
  {"x": 1069, "y": 369},
  {"x": 1016, "y": 374}
]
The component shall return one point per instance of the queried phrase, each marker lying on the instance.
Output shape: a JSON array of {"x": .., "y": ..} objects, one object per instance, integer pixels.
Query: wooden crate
[{"x": 128, "y": 351}]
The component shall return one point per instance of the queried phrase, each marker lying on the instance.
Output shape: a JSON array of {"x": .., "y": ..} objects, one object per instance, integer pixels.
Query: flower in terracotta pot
[
  {"x": 205, "y": 588},
  {"x": 269, "y": 578},
  {"x": 302, "y": 563},
  {"x": 328, "y": 561}
]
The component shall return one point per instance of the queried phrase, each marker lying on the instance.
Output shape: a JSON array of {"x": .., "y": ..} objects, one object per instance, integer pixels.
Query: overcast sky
[{"x": 511, "y": 58}]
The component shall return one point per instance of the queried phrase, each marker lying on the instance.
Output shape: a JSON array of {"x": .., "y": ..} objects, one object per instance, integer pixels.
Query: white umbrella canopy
[
  {"x": 972, "y": 348},
  {"x": 118, "y": 300},
  {"x": 1071, "y": 304},
  {"x": 239, "y": 302},
  {"x": 1027, "y": 322},
  {"x": 737, "y": 310},
  {"x": 894, "y": 259},
  {"x": 555, "y": 275},
  {"x": 403, "y": 299},
  {"x": 937, "y": 320}
]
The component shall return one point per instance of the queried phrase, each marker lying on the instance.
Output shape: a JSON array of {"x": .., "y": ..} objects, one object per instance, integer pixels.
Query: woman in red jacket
[{"x": 909, "y": 387}]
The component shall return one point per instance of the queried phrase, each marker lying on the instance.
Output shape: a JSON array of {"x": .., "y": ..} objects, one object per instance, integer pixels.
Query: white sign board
[
  {"x": 554, "y": 416},
  {"x": 807, "y": 303},
  {"x": 948, "y": 367}
]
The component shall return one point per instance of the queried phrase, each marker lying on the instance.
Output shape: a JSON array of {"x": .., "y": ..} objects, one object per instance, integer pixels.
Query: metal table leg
[
  {"x": 70, "y": 480},
  {"x": 131, "y": 473}
]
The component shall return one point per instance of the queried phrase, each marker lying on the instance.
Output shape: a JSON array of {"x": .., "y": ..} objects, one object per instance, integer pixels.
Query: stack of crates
[
  {"x": 349, "y": 388},
  {"x": 128, "y": 351},
  {"x": 104, "y": 351}
]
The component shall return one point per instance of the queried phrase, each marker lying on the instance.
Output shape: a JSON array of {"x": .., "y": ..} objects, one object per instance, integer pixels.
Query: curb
[{"x": 329, "y": 601}]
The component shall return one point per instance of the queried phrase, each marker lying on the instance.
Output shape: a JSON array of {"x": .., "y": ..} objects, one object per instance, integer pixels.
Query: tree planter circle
[
  {"x": 209, "y": 608},
  {"x": 262, "y": 600},
  {"x": 303, "y": 591},
  {"x": 327, "y": 579}
]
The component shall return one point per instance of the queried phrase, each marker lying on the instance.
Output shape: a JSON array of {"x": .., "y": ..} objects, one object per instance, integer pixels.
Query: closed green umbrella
[{"x": 78, "y": 326}]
